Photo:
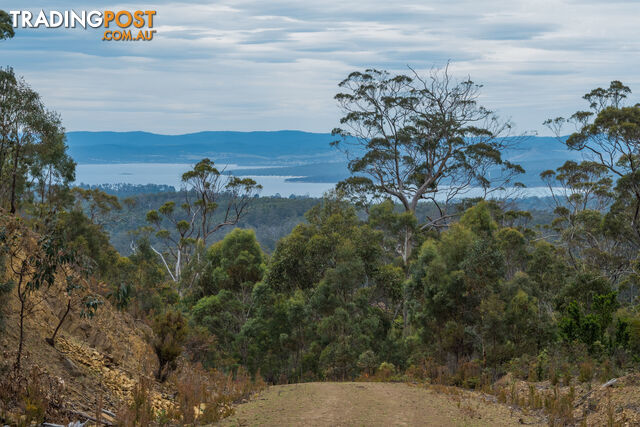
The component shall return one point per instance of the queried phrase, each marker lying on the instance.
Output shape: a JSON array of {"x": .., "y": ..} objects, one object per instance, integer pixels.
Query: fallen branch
[
  {"x": 109, "y": 413},
  {"x": 586, "y": 396},
  {"x": 90, "y": 418}
]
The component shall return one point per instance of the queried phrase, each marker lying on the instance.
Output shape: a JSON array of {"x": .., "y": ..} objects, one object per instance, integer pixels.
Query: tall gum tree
[
  {"x": 608, "y": 133},
  {"x": 212, "y": 200},
  {"x": 32, "y": 147},
  {"x": 412, "y": 138}
]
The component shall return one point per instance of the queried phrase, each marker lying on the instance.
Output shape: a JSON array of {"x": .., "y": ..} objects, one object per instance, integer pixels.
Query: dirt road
[{"x": 369, "y": 404}]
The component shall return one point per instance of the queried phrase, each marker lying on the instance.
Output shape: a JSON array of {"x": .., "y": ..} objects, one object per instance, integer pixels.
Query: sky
[{"x": 271, "y": 64}]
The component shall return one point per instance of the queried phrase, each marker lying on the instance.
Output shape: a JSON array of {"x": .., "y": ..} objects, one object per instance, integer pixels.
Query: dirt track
[{"x": 367, "y": 404}]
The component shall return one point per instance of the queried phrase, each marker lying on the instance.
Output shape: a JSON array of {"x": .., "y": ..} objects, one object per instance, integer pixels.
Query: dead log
[
  {"x": 90, "y": 418},
  {"x": 586, "y": 396}
]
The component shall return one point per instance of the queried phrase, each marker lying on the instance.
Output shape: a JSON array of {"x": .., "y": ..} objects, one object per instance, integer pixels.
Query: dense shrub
[{"x": 170, "y": 329}]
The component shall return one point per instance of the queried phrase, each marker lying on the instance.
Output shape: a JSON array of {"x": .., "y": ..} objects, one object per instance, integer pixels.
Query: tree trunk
[
  {"x": 21, "y": 297},
  {"x": 2, "y": 157},
  {"x": 52, "y": 340},
  {"x": 13, "y": 180},
  {"x": 407, "y": 247},
  {"x": 406, "y": 255}
]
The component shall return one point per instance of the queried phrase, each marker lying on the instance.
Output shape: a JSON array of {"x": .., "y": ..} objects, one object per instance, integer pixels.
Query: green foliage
[
  {"x": 326, "y": 305},
  {"x": 222, "y": 315},
  {"x": 478, "y": 219},
  {"x": 223, "y": 292},
  {"x": 170, "y": 329},
  {"x": 137, "y": 283},
  {"x": 592, "y": 324},
  {"x": 367, "y": 362},
  {"x": 415, "y": 135},
  {"x": 386, "y": 371},
  {"x": 237, "y": 262},
  {"x": 609, "y": 132},
  {"x": 83, "y": 236},
  {"x": 183, "y": 231},
  {"x": 35, "y": 170},
  {"x": 121, "y": 295},
  {"x": 6, "y": 26}
]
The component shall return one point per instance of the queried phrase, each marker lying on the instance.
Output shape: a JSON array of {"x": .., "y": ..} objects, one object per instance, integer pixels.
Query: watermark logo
[{"x": 122, "y": 25}]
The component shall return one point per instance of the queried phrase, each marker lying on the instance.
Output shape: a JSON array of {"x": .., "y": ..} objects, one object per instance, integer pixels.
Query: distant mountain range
[
  {"x": 250, "y": 148},
  {"x": 283, "y": 153}
]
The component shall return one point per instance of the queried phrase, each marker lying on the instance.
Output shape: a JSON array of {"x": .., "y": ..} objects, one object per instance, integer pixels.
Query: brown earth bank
[
  {"x": 95, "y": 362},
  {"x": 373, "y": 404}
]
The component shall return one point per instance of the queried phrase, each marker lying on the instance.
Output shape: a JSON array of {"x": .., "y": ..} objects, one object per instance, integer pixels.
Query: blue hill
[
  {"x": 284, "y": 153},
  {"x": 119, "y": 147}
]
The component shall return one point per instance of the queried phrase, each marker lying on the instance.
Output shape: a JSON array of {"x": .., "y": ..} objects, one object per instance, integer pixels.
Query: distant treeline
[
  {"x": 271, "y": 217},
  {"x": 122, "y": 190}
]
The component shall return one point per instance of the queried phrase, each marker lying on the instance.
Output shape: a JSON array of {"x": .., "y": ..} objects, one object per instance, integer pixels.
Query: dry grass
[
  {"x": 201, "y": 397},
  {"x": 30, "y": 397},
  {"x": 371, "y": 404}
]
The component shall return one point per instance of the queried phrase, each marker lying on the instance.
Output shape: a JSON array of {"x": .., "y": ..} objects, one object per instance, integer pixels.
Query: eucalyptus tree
[
  {"x": 576, "y": 187},
  {"x": 583, "y": 193},
  {"x": 32, "y": 146},
  {"x": 608, "y": 133},
  {"x": 212, "y": 200},
  {"x": 37, "y": 266},
  {"x": 205, "y": 187},
  {"x": 98, "y": 205},
  {"x": 52, "y": 169},
  {"x": 412, "y": 138},
  {"x": 6, "y": 27}
]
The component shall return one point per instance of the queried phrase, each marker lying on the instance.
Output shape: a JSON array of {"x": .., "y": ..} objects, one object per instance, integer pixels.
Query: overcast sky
[{"x": 269, "y": 64}]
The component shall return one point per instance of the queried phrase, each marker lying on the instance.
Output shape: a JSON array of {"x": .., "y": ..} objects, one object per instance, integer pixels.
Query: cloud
[
  {"x": 256, "y": 65},
  {"x": 511, "y": 31}
]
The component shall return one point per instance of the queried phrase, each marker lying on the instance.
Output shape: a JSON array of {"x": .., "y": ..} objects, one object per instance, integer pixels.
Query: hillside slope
[{"x": 97, "y": 362}]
